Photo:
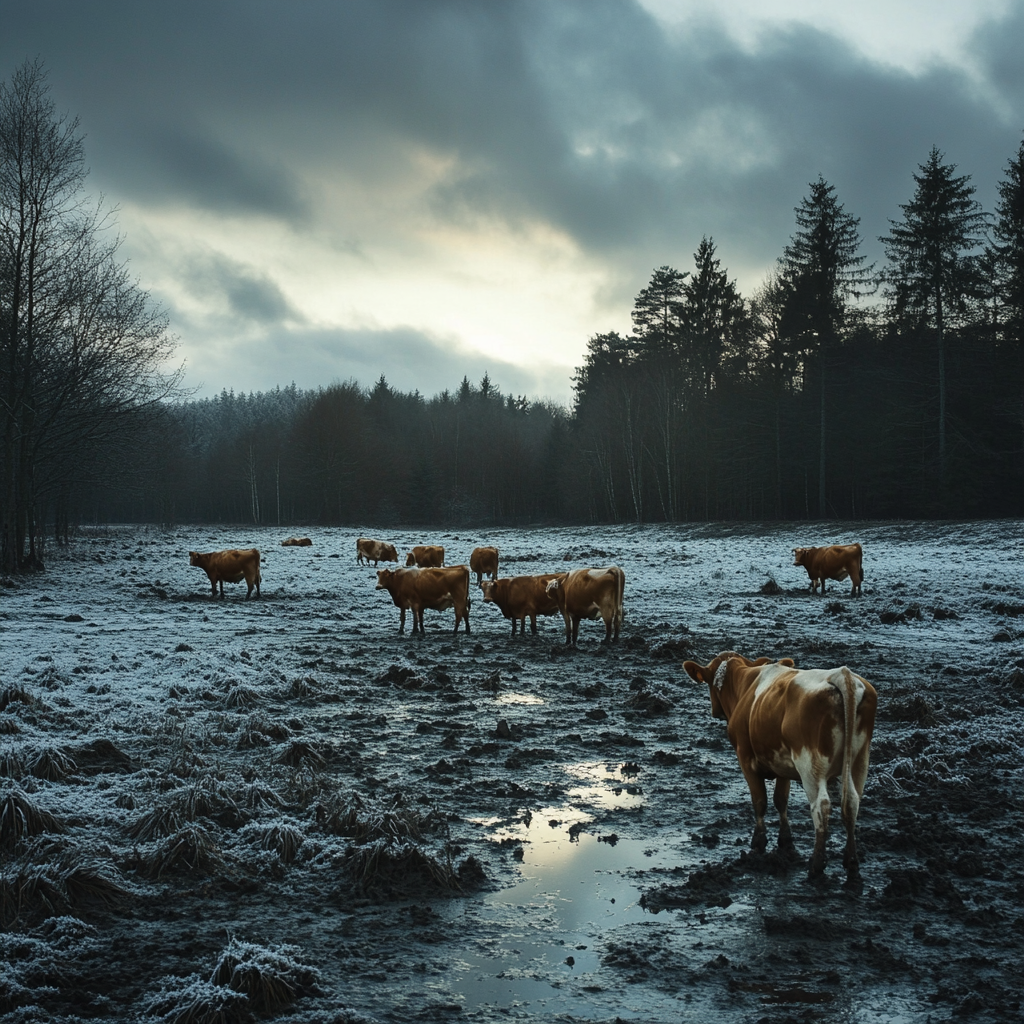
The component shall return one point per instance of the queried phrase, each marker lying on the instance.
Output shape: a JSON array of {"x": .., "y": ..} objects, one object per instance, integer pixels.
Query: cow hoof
[{"x": 759, "y": 844}]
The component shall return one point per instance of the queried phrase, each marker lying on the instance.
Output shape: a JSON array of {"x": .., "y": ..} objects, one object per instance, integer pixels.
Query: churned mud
[{"x": 282, "y": 809}]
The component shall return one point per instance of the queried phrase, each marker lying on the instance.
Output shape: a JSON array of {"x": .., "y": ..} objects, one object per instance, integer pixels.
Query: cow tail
[{"x": 849, "y": 694}]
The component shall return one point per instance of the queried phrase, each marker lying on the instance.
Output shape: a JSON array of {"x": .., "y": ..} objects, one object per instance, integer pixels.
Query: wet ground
[{"x": 282, "y": 809}]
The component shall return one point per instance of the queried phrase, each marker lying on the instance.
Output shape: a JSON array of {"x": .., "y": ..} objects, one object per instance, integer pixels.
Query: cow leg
[
  {"x": 401, "y": 620},
  {"x": 815, "y": 780},
  {"x": 515, "y": 622},
  {"x": 781, "y": 800},
  {"x": 851, "y": 807},
  {"x": 568, "y": 627},
  {"x": 608, "y": 630},
  {"x": 759, "y": 798},
  {"x": 533, "y": 624},
  {"x": 575, "y": 629}
]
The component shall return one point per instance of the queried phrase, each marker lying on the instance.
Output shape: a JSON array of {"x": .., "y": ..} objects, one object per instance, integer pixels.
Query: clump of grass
[
  {"x": 259, "y": 796},
  {"x": 52, "y": 764},
  {"x": 270, "y": 976},
  {"x": 50, "y": 881},
  {"x": 241, "y": 697},
  {"x": 299, "y": 754},
  {"x": 11, "y": 764},
  {"x": 259, "y": 731},
  {"x": 385, "y": 866},
  {"x": 205, "y": 797},
  {"x": 284, "y": 840},
  {"x": 192, "y": 848},
  {"x": 21, "y": 817},
  {"x": 14, "y": 695},
  {"x": 194, "y": 1000},
  {"x": 304, "y": 686},
  {"x": 8, "y": 726}
]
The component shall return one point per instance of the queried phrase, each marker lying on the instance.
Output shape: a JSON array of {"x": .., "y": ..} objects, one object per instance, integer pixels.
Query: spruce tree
[
  {"x": 931, "y": 270},
  {"x": 823, "y": 269}
]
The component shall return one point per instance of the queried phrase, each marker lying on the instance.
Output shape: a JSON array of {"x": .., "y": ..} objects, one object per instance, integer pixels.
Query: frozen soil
[{"x": 283, "y": 809}]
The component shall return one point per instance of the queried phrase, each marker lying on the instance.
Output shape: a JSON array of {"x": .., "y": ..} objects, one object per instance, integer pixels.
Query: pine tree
[
  {"x": 823, "y": 269},
  {"x": 931, "y": 270},
  {"x": 1008, "y": 250}
]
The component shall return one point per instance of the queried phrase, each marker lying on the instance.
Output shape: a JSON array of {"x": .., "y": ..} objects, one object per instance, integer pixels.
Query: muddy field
[{"x": 282, "y": 809}]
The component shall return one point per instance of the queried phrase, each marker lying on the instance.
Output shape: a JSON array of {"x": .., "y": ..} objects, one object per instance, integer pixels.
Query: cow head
[
  {"x": 717, "y": 676},
  {"x": 410, "y": 559},
  {"x": 799, "y": 556},
  {"x": 388, "y": 553},
  {"x": 487, "y": 586},
  {"x": 193, "y": 558},
  {"x": 385, "y": 578}
]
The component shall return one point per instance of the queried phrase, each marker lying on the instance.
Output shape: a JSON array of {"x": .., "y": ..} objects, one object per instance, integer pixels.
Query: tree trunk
[{"x": 942, "y": 388}]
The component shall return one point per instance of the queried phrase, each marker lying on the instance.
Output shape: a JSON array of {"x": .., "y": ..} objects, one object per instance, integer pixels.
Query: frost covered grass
[{"x": 294, "y": 773}]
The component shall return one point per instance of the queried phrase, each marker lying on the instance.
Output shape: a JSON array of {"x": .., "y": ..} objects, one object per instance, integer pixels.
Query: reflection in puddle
[
  {"x": 518, "y": 698},
  {"x": 546, "y": 934}
]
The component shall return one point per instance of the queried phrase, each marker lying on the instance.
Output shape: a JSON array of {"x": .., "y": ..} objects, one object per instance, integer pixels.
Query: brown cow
[
  {"x": 521, "y": 596},
  {"x": 832, "y": 563},
  {"x": 230, "y": 567},
  {"x": 297, "y": 542},
  {"x": 375, "y": 551},
  {"x": 590, "y": 594},
  {"x": 418, "y": 589},
  {"x": 484, "y": 561},
  {"x": 426, "y": 556},
  {"x": 786, "y": 724}
]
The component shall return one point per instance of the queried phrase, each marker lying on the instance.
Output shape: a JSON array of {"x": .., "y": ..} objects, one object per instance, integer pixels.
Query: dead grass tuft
[
  {"x": 241, "y": 698},
  {"x": 8, "y": 726},
  {"x": 194, "y": 1000},
  {"x": 205, "y": 797},
  {"x": 387, "y": 867},
  {"x": 14, "y": 694},
  {"x": 11, "y": 764},
  {"x": 52, "y": 764},
  {"x": 21, "y": 817},
  {"x": 49, "y": 882},
  {"x": 259, "y": 796},
  {"x": 270, "y": 976},
  {"x": 299, "y": 754},
  {"x": 192, "y": 848},
  {"x": 284, "y": 840}
]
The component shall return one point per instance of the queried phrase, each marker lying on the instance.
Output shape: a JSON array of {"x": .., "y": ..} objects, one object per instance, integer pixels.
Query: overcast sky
[{"x": 324, "y": 190}]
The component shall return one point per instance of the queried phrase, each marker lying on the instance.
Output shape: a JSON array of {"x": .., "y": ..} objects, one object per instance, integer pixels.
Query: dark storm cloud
[
  {"x": 242, "y": 292},
  {"x": 590, "y": 115}
]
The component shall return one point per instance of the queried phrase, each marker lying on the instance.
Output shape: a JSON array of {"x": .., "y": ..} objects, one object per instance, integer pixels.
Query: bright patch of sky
[{"x": 910, "y": 34}]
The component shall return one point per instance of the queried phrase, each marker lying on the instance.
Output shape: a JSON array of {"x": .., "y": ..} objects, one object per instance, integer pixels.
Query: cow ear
[
  {"x": 694, "y": 671},
  {"x": 788, "y": 662}
]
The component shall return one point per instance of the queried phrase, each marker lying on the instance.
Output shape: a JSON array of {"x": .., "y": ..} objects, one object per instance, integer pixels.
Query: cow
[
  {"x": 417, "y": 589},
  {"x": 589, "y": 594},
  {"x": 297, "y": 542},
  {"x": 231, "y": 567},
  {"x": 803, "y": 725},
  {"x": 832, "y": 563},
  {"x": 520, "y": 596},
  {"x": 375, "y": 551},
  {"x": 426, "y": 556},
  {"x": 484, "y": 562}
]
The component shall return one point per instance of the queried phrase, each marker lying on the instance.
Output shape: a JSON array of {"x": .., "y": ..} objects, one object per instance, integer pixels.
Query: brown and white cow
[
  {"x": 836, "y": 562},
  {"x": 297, "y": 542},
  {"x": 417, "y": 589},
  {"x": 484, "y": 562},
  {"x": 375, "y": 551},
  {"x": 520, "y": 596},
  {"x": 426, "y": 556},
  {"x": 803, "y": 725},
  {"x": 230, "y": 567},
  {"x": 590, "y": 594}
]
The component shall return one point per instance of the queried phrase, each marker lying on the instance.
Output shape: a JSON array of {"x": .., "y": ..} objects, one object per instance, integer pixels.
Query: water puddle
[
  {"x": 542, "y": 938},
  {"x": 518, "y": 698}
]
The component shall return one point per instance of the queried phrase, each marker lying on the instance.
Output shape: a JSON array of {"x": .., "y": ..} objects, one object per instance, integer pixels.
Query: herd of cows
[{"x": 785, "y": 724}]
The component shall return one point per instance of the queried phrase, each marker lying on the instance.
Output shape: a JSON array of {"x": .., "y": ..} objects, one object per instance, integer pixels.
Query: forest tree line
[{"x": 836, "y": 389}]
